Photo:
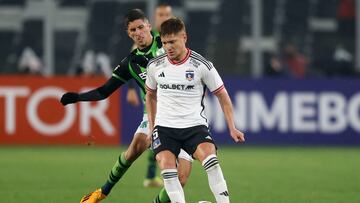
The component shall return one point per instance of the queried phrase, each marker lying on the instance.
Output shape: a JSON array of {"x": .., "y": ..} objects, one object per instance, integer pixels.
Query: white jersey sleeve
[
  {"x": 212, "y": 79},
  {"x": 150, "y": 82}
]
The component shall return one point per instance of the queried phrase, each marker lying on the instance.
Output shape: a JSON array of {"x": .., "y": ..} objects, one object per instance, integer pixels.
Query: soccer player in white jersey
[
  {"x": 163, "y": 11},
  {"x": 176, "y": 84}
]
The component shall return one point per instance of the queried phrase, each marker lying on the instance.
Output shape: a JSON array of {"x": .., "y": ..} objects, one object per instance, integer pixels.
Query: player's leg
[
  {"x": 201, "y": 145},
  {"x": 206, "y": 154},
  {"x": 151, "y": 179},
  {"x": 166, "y": 149},
  {"x": 169, "y": 172},
  {"x": 184, "y": 165},
  {"x": 138, "y": 145}
]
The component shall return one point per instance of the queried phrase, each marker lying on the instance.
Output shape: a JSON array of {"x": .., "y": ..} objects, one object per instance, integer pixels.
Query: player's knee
[
  {"x": 140, "y": 144},
  {"x": 166, "y": 160},
  {"x": 166, "y": 164},
  {"x": 134, "y": 151},
  {"x": 204, "y": 150}
]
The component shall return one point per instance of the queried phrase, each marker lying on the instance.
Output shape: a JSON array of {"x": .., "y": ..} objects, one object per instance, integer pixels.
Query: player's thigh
[
  {"x": 140, "y": 142},
  {"x": 166, "y": 160},
  {"x": 137, "y": 146},
  {"x": 200, "y": 138}
]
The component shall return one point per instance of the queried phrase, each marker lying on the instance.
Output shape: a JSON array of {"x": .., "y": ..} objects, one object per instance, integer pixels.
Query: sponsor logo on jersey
[
  {"x": 189, "y": 74},
  {"x": 176, "y": 87}
]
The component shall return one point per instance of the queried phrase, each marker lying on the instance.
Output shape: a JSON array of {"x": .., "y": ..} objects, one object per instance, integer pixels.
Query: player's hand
[
  {"x": 132, "y": 97},
  {"x": 69, "y": 98},
  {"x": 237, "y": 135}
]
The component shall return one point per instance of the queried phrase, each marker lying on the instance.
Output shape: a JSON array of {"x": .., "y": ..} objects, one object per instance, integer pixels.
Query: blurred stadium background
[{"x": 291, "y": 68}]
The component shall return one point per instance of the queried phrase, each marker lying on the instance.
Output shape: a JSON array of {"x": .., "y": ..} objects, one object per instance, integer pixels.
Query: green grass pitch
[{"x": 253, "y": 174}]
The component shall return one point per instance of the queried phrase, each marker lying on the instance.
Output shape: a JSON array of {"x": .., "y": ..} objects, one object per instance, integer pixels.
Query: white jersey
[{"x": 181, "y": 89}]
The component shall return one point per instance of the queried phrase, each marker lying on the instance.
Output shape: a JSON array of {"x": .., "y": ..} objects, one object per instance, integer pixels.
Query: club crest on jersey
[{"x": 189, "y": 74}]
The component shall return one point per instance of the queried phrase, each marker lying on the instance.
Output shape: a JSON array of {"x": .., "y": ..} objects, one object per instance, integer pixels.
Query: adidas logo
[
  {"x": 161, "y": 75},
  {"x": 208, "y": 137},
  {"x": 226, "y": 194}
]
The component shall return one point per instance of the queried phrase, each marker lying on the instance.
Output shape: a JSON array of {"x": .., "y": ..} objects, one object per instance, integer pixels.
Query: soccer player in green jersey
[
  {"x": 163, "y": 12},
  {"x": 131, "y": 67}
]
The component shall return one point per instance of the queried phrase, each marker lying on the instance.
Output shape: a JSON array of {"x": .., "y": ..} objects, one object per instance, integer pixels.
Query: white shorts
[
  {"x": 144, "y": 126},
  {"x": 184, "y": 155},
  {"x": 144, "y": 129}
]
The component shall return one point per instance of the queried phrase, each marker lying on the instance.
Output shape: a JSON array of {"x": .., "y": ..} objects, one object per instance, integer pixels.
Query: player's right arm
[
  {"x": 150, "y": 101},
  {"x": 120, "y": 76},
  {"x": 97, "y": 94}
]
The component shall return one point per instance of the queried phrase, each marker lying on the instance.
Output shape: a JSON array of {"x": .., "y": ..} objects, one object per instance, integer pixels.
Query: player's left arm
[
  {"x": 226, "y": 105},
  {"x": 213, "y": 81}
]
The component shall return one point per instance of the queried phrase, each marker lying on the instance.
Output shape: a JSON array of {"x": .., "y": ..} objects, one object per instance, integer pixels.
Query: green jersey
[{"x": 134, "y": 65}]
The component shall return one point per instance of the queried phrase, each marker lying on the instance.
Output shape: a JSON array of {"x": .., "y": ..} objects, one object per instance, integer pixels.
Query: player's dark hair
[
  {"x": 132, "y": 15},
  {"x": 172, "y": 26},
  {"x": 163, "y": 4}
]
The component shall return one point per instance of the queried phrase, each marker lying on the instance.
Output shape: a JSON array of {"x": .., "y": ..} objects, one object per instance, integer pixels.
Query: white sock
[
  {"x": 172, "y": 185},
  {"x": 216, "y": 179}
]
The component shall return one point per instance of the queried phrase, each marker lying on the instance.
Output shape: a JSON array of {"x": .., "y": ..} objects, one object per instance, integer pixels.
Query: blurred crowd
[{"x": 289, "y": 60}]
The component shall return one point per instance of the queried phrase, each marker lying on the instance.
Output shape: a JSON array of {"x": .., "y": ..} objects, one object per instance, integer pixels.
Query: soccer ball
[{"x": 203, "y": 201}]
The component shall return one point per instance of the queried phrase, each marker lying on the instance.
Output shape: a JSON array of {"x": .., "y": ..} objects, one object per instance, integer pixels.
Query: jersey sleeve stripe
[
  {"x": 149, "y": 89},
  {"x": 119, "y": 78},
  {"x": 203, "y": 61},
  {"x": 218, "y": 89},
  {"x": 199, "y": 56}
]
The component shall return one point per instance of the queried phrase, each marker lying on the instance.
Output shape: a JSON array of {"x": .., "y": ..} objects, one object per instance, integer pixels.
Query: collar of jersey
[{"x": 183, "y": 60}]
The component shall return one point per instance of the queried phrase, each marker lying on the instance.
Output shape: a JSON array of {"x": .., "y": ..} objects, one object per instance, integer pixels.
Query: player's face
[
  {"x": 175, "y": 45},
  {"x": 162, "y": 14},
  {"x": 140, "y": 32}
]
